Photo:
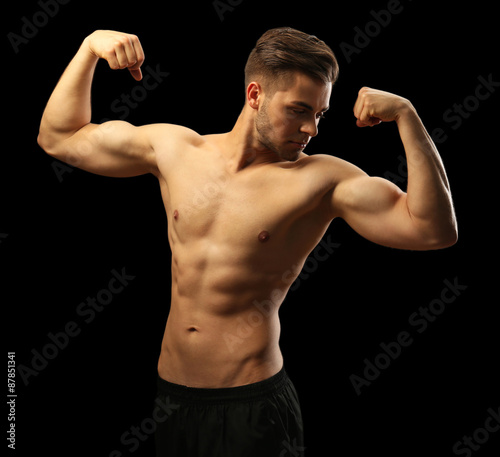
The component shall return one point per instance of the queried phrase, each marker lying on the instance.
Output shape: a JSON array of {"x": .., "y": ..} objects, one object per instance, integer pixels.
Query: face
[{"x": 287, "y": 121}]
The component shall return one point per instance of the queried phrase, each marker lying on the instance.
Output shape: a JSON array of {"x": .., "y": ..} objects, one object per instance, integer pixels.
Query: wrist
[
  {"x": 86, "y": 52},
  {"x": 406, "y": 111}
]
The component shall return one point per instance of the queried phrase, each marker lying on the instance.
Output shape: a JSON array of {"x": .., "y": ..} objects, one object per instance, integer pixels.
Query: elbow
[
  {"x": 47, "y": 143},
  {"x": 445, "y": 239},
  {"x": 437, "y": 234},
  {"x": 43, "y": 142},
  {"x": 450, "y": 235}
]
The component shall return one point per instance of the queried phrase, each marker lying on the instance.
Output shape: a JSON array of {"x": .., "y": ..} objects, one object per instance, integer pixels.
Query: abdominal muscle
[{"x": 221, "y": 333}]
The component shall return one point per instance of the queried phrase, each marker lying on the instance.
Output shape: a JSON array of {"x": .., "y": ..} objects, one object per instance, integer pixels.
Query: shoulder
[
  {"x": 320, "y": 175},
  {"x": 324, "y": 160},
  {"x": 169, "y": 140},
  {"x": 335, "y": 179},
  {"x": 164, "y": 134},
  {"x": 330, "y": 169},
  {"x": 167, "y": 143}
]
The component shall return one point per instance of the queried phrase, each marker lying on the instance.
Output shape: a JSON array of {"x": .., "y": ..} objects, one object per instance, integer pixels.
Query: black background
[{"x": 63, "y": 232}]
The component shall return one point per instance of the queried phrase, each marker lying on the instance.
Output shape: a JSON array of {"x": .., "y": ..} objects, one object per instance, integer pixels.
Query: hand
[
  {"x": 120, "y": 50},
  {"x": 375, "y": 106}
]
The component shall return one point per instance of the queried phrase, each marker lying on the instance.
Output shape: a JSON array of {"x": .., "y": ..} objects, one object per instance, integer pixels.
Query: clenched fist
[
  {"x": 375, "y": 106},
  {"x": 120, "y": 50}
]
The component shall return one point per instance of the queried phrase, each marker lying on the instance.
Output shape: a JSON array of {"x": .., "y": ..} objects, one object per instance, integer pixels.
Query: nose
[{"x": 310, "y": 127}]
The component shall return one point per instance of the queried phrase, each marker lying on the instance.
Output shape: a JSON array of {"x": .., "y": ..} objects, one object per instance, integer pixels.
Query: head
[{"x": 288, "y": 78}]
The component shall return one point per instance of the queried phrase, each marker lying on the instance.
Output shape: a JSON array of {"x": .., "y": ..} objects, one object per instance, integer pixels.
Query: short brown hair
[{"x": 284, "y": 50}]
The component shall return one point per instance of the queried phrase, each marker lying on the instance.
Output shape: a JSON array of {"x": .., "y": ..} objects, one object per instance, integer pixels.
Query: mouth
[{"x": 300, "y": 145}]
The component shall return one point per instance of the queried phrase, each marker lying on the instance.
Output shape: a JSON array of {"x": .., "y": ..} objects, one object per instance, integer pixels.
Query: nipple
[
  {"x": 263, "y": 236},
  {"x": 176, "y": 214}
]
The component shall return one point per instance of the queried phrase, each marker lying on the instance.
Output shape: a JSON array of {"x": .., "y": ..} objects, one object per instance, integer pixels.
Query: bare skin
[{"x": 245, "y": 208}]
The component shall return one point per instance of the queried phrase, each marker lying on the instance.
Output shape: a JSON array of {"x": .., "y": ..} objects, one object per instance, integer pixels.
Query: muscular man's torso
[{"x": 238, "y": 241}]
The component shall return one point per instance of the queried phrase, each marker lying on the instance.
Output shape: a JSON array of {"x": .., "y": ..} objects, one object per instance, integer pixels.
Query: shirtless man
[{"x": 244, "y": 209}]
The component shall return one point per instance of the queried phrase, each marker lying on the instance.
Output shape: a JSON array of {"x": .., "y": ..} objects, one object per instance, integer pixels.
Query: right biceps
[{"x": 114, "y": 148}]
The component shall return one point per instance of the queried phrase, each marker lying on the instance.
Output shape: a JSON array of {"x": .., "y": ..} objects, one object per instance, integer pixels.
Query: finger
[
  {"x": 366, "y": 117},
  {"x": 358, "y": 106},
  {"x": 130, "y": 53},
  {"x": 121, "y": 57},
  {"x": 125, "y": 55},
  {"x": 372, "y": 121},
  {"x": 138, "y": 52},
  {"x": 136, "y": 74},
  {"x": 363, "y": 117},
  {"x": 136, "y": 57},
  {"x": 360, "y": 101},
  {"x": 112, "y": 59}
]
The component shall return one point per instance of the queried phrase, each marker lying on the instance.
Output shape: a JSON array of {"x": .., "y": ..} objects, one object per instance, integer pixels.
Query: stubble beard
[{"x": 264, "y": 131}]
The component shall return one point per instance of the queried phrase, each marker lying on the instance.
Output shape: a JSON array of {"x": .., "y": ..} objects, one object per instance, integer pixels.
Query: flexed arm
[
  {"x": 114, "y": 148},
  {"x": 421, "y": 218}
]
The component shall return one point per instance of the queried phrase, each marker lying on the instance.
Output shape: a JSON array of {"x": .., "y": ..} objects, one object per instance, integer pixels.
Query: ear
[{"x": 254, "y": 94}]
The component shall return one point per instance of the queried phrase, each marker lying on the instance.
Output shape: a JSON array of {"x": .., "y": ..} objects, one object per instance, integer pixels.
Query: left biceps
[{"x": 377, "y": 210}]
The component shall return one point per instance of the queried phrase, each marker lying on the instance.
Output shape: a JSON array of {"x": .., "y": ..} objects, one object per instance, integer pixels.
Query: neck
[{"x": 244, "y": 147}]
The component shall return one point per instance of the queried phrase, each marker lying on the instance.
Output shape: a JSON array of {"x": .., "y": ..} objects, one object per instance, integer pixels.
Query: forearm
[
  {"x": 69, "y": 107},
  {"x": 429, "y": 199}
]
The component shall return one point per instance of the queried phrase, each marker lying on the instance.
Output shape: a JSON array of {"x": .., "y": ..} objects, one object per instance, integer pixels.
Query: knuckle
[
  {"x": 119, "y": 42},
  {"x": 109, "y": 50}
]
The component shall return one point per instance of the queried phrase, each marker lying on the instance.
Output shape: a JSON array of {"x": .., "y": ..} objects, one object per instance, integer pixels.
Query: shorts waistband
[{"x": 246, "y": 392}]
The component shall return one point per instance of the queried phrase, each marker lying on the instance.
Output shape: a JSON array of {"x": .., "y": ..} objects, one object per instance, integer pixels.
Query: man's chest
[
  {"x": 260, "y": 212},
  {"x": 237, "y": 207}
]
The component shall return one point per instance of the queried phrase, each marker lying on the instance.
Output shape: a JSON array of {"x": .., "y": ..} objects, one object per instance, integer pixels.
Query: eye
[
  {"x": 321, "y": 116},
  {"x": 298, "y": 111}
]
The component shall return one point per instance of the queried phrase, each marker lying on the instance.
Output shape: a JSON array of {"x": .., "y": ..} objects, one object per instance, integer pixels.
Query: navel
[{"x": 263, "y": 236}]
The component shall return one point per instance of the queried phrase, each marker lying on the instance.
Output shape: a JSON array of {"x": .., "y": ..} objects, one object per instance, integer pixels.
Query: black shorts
[{"x": 256, "y": 420}]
